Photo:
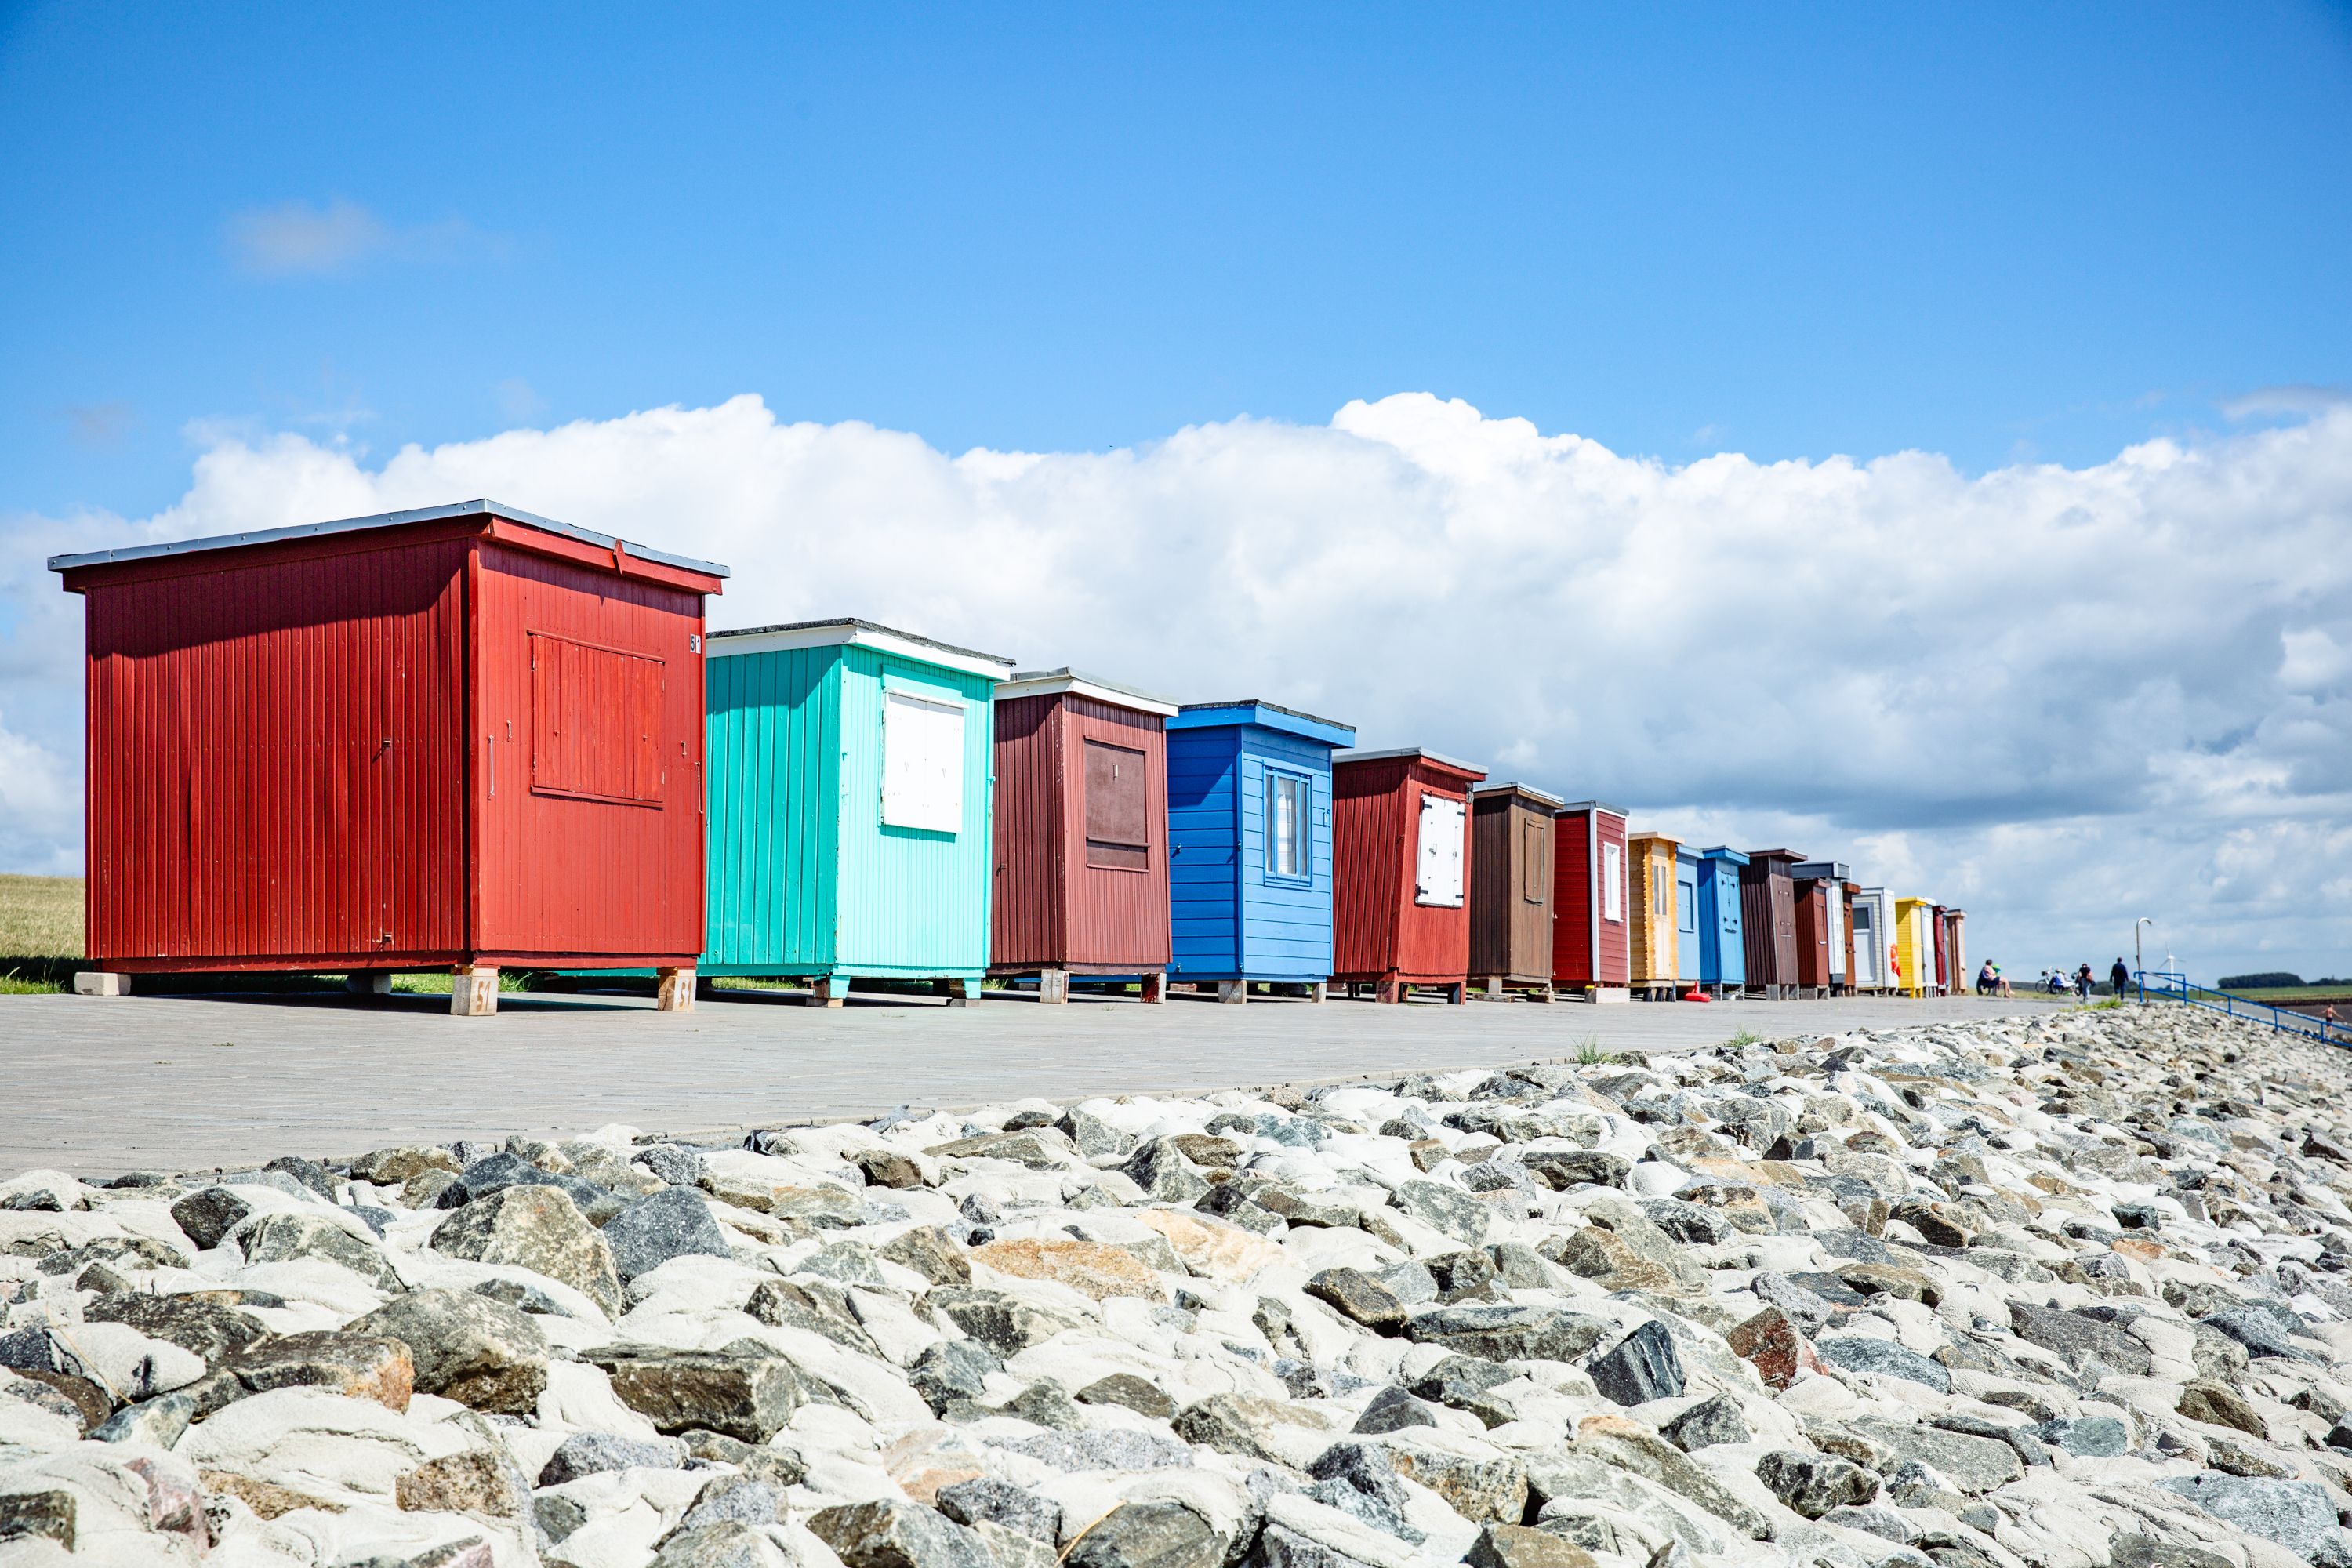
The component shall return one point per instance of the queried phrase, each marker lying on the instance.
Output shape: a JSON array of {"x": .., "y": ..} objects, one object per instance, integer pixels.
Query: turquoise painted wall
[{"x": 804, "y": 877}]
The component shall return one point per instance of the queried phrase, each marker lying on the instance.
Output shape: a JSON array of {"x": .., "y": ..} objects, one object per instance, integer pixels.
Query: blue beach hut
[
  {"x": 1249, "y": 840},
  {"x": 1689, "y": 867},
  {"x": 849, "y": 807},
  {"x": 1722, "y": 948}
]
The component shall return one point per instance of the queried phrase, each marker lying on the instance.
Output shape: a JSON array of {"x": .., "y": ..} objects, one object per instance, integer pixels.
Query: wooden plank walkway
[{"x": 97, "y": 1086}]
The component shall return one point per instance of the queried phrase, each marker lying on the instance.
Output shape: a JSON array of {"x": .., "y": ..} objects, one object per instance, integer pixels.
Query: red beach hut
[
  {"x": 1591, "y": 949},
  {"x": 1081, "y": 884},
  {"x": 455, "y": 739},
  {"x": 1400, "y": 844}
]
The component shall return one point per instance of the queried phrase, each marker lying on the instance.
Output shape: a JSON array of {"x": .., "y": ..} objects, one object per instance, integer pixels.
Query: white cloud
[
  {"x": 2065, "y": 698},
  {"x": 295, "y": 239}
]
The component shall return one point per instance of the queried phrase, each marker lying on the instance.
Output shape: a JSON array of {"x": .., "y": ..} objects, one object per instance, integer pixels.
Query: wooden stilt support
[
  {"x": 828, "y": 992},
  {"x": 474, "y": 991},
  {"x": 1317, "y": 990},
  {"x": 964, "y": 993},
  {"x": 673, "y": 990},
  {"x": 1458, "y": 995},
  {"x": 1155, "y": 987},
  {"x": 1391, "y": 990}
]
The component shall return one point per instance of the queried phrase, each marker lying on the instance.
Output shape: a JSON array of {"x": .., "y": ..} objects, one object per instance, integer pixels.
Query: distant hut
[
  {"x": 1592, "y": 945},
  {"x": 1511, "y": 870},
  {"x": 1722, "y": 945},
  {"x": 1400, "y": 837},
  {"x": 1767, "y": 909},
  {"x": 1652, "y": 959}
]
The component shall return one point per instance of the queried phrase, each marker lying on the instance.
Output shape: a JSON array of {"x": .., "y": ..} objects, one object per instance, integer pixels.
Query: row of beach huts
[{"x": 466, "y": 738}]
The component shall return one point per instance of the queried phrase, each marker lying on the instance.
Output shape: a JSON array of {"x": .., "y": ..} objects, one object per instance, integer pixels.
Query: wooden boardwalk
[{"x": 97, "y": 1086}]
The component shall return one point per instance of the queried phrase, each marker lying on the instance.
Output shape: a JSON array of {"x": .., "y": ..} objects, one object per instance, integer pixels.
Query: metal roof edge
[
  {"x": 1725, "y": 851},
  {"x": 1359, "y": 755},
  {"x": 482, "y": 507},
  {"x": 1617, "y": 811},
  {"x": 1498, "y": 786},
  {"x": 1292, "y": 720},
  {"x": 1042, "y": 682},
  {"x": 851, "y": 632}
]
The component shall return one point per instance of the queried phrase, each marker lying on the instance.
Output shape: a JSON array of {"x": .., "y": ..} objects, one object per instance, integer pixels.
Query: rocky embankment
[{"x": 2066, "y": 1291}]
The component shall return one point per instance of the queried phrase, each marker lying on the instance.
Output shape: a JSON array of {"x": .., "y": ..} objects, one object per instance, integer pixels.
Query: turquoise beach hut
[{"x": 849, "y": 807}]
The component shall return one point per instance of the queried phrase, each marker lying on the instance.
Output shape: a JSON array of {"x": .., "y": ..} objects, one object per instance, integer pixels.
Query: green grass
[
  {"x": 1743, "y": 1038},
  {"x": 1589, "y": 1053},
  {"x": 40, "y": 917},
  {"x": 2290, "y": 992},
  {"x": 440, "y": 984}
]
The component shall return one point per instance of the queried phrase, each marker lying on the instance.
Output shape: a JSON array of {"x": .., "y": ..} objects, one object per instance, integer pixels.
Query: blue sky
[
  {"x": 1478, "y": 375},
  {"x": 1999, "y": 233}
]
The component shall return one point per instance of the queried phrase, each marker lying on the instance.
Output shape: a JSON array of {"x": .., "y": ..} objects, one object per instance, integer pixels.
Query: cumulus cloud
[
  {"x": 2065, "y": 698},
  {"x": 297, "y": 239}
]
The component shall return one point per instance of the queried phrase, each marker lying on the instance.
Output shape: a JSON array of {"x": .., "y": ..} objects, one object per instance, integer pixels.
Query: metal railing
[{"x": 2164, "y": 986}]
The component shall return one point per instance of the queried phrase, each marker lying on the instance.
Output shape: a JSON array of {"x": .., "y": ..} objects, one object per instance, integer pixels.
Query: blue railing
[{"x": 2163, "y": 985}]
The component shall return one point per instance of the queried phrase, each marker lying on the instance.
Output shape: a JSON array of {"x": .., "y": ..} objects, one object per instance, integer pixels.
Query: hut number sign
[
  {"x": 1438, "y": 876},
  {"x": 922, "y": 763}
]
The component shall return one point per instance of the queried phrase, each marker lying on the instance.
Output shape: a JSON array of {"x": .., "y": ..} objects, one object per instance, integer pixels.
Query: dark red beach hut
[
  {"x": 1591, "y": 946},
  {"x": 1081, "y": 884},
  {"x": 1811, "y": 901},
  {"x": 457, "y": 738},
  {"x": 1768, "y": 914},
  {"x": 1401, "y": 849}
]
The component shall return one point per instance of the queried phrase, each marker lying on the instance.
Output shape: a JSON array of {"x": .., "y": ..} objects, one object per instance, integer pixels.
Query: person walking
[
  {"x": 2119, "y": 978},
  {"x": 2083, "y": 982}
]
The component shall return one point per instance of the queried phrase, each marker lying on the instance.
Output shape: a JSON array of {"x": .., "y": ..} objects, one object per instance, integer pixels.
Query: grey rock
[
  {"x": 1522, "y": 1268},
  {"x": 2295, "y": 1514},
  {"x": 1280, "y": 1546},
  {"x": 735, "y": 1498},
  {"x": 1047, "y": 1403},
  {"x": 1814, "y": 1484},
  {"x": 285, "y": 1238},
  {"x": 844, "y": 1263},
  {"x": 1392, "y": 1410},
  {"x": 1163, "y": 1172},
  {"x": 207, "y": 1216},
  {"x": 814, "y": 1304},
  {"x": 745, "y": 1391},
  {"x": 1521, "y": 1546},
  {"x": 535, "y": 1227},
  {"x": 310, "y": 1172},
  {"x": 595, "y": 1453},
  {"x": 1410, "y": 1282},
  {"x": 723, "y": 1543},
  {"x": 951, "y": 1370},
  {"x": 1448, "y": 1209},
  {"x": 1459, "y": 1381},
  {"x": 1095, "y": 1138},
  {"x": 1642, "y": 1366},
  {"x": 1360, "y": 1479},
  {"x": 1973, "y": 1465},
  {"x": 2258, "y": 1331},
  {"x": 1003, "y": 1324},
  {"x": 674, "y": 1164},
  {"x": 1002, "y": 1502},
  {"x": 276, "y": 1181},
  {"x": 209, "y": 1328},
  {"x": 1359, "y": 1298},
  {"x": 673, "y": 1223},
  {"x": 1509, "y": 1334},
  {"x": 897, "y": 1535},
  {"x": 777, "y": 1466},
  {"x": 1113, "y": 1448},
  {"x": 2080, "y": 1339},
  {"x": 1859, "y": 1352},
  {"x": 2088, "y": 1437},
  {"x": 501, "y": 1171},
  {"x": 1688, "y": 1222},
  {"x": 1880, "y": 1522},
  {"x": 1145, "y": 1535},
  {"x": 1708, "y": 1423},
  {"x": 157, "y": 1422},
  {"x": 467, "y": 1348},
  {"x": 932, "y": 1253},
  {"x": 1136, "y": 1394},
  {"x": 48, "y": 1515},
  {"x": 1561, "y": 1169}
]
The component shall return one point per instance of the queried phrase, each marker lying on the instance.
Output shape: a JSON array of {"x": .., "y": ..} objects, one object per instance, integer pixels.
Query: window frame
[
  {"x": 1612, "y": 882},
  {"x": 1275, "y": 772},
  {"x": 944, "y": 701}
]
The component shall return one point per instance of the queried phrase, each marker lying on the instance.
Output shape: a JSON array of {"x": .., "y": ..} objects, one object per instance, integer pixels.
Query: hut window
[
  {"x": 594, "y": 717},
  {"x": 1535, "y": 848},
  {"x": 1438, "y": 879},
  {"x": 1116, "y": 836},
  {"x": 1686, "y": 905},
  {"x": 1286, "y": 825},
  {"x": 922, "y": 762},
  {"x": 1612, "y": 882}
]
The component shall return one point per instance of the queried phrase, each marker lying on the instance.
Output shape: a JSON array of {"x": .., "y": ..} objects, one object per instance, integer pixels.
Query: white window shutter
[{"x": 922, "y": 763}]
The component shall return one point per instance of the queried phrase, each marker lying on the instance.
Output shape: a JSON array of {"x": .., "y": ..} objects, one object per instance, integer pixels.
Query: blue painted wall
[
  {"x": 1723, "y": 952},
  {"x": 1230, "y": 918}
]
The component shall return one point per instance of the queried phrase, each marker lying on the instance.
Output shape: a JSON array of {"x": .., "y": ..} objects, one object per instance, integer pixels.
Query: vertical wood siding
[
  {"x": 1117, "y": 913},
  {"x": 1588, "y": 948},
  {"x": 1029, "y": 913},
  {"x": 276, "y": 764},
  {"x": 774, "y": 795},
  {"x": 1812, "y": 911},
  {"x": 1722, "y": 956},
  {"x": 1204, "y": 887},
  {"x": 1286, "y": 923},
  {"x": 1378, "y": 928},
  {"x": 912, "y": 902},
  {"x": 1767, "y": 913},
  {"x": 1651, "y": 957},
  {"x": 1936, "y": 927},
  {"x": 562, "y": 874},
  {"x": 1690, "y": 937},
  {"x": 1512, "y": 865}
]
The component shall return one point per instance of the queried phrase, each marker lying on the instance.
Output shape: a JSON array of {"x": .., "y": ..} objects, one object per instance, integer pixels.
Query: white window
[
  {"x": 1285, "y": 824},
  {"x": 1438, "y": 876},
  {"x": 1612, "y": 882},
  {"x": 922, "y": 762}
]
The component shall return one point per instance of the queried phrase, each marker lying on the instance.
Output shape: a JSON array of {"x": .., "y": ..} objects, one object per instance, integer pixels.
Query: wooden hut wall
[
  {"x": 1511, "y": 868},
  {"x": 1688, "y": 868},
  {"x": 1812, "y": 910},
  {"x": 1723, "y": 955},
  {"x": 1651, "y": 954},
  {"x": 1382, "y": 929},
  {"x": 1768, "y": 914},
  {"x": 1592, "y": 945}
]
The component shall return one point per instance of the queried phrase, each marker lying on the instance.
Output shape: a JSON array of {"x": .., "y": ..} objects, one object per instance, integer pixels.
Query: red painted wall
[
  {"x": 289, "y": 766},
  {"x": 1051, "y": 908},
  {"x": 1812, "y": 908},
  {"x": 1379, "y": 931},
  {"x": 1576, "y": 837}
]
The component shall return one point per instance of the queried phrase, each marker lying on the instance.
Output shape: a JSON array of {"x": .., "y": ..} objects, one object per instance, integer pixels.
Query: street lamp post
[{"x": 2140, "y": 966}]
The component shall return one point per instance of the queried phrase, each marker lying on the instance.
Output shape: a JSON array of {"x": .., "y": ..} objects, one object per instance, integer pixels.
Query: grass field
[
  {"x": 41, "y": 933},
  {"x": 2293, "y": 993}
]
